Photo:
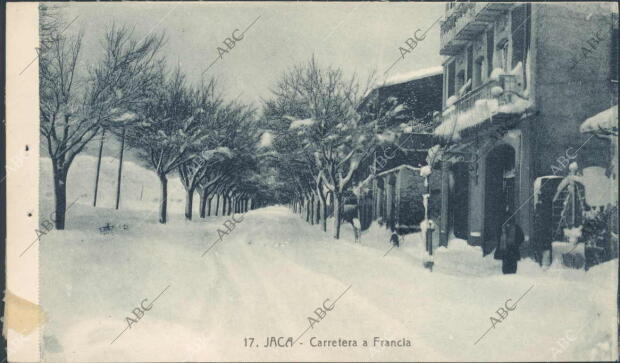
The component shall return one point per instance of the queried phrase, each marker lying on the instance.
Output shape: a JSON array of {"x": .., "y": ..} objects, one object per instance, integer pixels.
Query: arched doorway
[{"x": 499, "y": 193}]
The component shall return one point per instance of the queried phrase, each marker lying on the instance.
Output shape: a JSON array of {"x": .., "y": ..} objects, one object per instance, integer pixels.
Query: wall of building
[
  {"x": 410, "y": 190},
  {"x": 570, "y": 84}
]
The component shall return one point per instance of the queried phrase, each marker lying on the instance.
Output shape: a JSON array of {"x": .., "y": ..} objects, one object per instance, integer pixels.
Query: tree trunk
[
  {"x": 224, "y": 201},
  {"x": 120, "y": 169},
  {"x": 311, "y": 202},
  {"x": 60, "y": 195},
  {"x": 317, "y": 213},
  {"x": 337, "y": 215},
  {"x": 209, "y": 206},
  {"x": 98, "y": 168},
  {"x": 163, "y": 205},
  {"x": 324, "y": 215},
  {"x": 204, "y": 193},
  {"x": 189, "y": 203},
  {"x": 217, "y": 205}
]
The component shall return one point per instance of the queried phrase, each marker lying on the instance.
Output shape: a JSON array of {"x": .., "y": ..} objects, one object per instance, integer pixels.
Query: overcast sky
[{"x": 357, "y": 37}]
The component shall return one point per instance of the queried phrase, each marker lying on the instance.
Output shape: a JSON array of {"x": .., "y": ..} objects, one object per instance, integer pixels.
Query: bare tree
[
  {"x": 322, "y": 105},
  {"x": 74, "y": 105},
  {"x": 169, "y": 131},
  {"x": 225, "y": 125},
  {"x": 195, "y": 170}
]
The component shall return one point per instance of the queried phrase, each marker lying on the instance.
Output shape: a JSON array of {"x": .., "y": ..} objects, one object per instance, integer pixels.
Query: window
[
  {"x": 490, "y": 45},
  {"x": 614, "y": 55},
  {"x": 502, "y": 54},
  {"x": 470, "y": 61},
  {"x": 451, "y": 79},
  {"x": 460, "y": 79},
  {"x": 478, "y": 72},
  {"x": 521, "y": 25}
]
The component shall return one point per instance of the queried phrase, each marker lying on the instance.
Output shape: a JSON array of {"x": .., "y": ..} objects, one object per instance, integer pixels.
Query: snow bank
[
  {"x": 598, "y": 187},
  {"x": 140, "y": 187},
  {"x": 275, "y": 269},
  {"x": 606, "y": 121}
]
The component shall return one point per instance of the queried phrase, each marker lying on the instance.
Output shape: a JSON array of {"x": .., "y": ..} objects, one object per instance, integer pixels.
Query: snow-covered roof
[
  {"x": 413, "y": 75},
  {"x": 605, "y": 121}
]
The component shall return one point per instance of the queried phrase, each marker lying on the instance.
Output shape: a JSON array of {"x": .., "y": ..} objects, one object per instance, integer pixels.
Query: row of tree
[
  {"x": 321, "y": 138},
  {"x": 131, "y": 93}
]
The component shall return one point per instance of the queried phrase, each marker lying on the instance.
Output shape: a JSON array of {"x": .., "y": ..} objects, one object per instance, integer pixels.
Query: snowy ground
[{"x": 273, "y": 270}]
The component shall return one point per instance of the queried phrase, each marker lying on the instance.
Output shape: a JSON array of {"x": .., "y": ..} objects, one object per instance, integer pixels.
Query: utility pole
[
  {"x": 98, "y": 167},
  {"x": 120, "y": 169}
]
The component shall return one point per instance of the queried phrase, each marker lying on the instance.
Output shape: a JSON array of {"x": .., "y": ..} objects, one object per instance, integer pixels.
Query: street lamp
[{"x": 425, "y": 172}]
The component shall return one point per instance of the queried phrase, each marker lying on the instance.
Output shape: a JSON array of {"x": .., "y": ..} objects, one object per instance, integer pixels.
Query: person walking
[
  {"x": 394, "y": 239},
  {"x": 509, "y": 243}
]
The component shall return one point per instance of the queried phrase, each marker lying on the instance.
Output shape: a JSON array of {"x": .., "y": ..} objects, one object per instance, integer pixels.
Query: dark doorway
[
  {"x": 459, "y": 201},
  {"x": 499, "y": 194}
]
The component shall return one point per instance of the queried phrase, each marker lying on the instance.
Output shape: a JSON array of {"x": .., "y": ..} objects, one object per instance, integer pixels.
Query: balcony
[
  {"x": 465, "y": 21},
  {"x": 495, "y": 100}
]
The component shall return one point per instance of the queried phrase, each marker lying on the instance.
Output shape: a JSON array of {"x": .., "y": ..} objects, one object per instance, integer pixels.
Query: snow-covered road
[{"x": 269, "y": 275}]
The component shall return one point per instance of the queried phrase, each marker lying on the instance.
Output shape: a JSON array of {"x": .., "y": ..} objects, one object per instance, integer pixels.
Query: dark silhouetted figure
[
  {"x": 394, "y": 239},
  {"x": 509, "y": 243}
]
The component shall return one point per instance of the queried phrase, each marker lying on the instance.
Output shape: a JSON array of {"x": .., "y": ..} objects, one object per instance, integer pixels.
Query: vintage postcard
[{"x": 311, "y": 181}]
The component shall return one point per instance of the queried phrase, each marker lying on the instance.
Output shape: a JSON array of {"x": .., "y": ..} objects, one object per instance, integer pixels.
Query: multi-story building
[
  {"x": 519, "y": 78},
  {"x": 390, "y": 188}
]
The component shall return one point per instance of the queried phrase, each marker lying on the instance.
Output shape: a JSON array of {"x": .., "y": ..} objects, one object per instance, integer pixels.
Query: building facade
[
  {"x": 391, "y": 189},
  {"x": 519, "y": 79}
]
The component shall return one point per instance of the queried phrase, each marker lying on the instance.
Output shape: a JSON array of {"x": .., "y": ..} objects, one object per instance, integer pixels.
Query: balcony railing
[
  {"x": 465, "y": 21},
  {"x": 479, "y": 104}
]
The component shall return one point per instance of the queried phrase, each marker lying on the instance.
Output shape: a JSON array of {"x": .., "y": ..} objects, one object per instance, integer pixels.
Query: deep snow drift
[{"x": 269, "y": 274}]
